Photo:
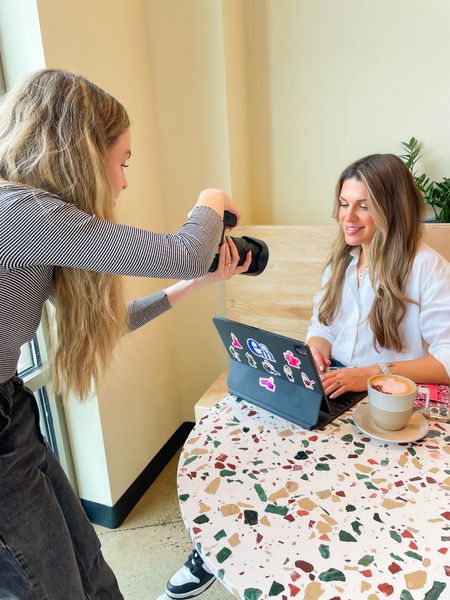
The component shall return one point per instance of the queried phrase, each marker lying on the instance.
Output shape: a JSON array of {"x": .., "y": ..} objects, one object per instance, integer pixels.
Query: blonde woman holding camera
[{"x": 64, "y": 147}]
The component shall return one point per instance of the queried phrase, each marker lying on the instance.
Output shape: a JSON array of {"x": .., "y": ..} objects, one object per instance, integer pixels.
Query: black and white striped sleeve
[
  {"x": 145, "y": 309},
  {"x": 40, "y": 229}
]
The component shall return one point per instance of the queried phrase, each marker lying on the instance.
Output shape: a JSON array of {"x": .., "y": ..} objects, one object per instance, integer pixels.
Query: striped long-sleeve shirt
[{"x": 39, "y": 231}]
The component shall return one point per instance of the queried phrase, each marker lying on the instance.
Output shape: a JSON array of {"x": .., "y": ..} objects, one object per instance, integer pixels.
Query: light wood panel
[
  {"x": 438, "y": 237},
  {"x": 281, "y": 298}
]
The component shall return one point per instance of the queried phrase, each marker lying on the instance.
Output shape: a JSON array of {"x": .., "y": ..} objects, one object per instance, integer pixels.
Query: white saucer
[{"x": 415, "y": 429}]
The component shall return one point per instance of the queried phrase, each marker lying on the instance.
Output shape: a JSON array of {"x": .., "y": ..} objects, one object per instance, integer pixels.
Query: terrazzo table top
[{"x": 281, "y": 512}]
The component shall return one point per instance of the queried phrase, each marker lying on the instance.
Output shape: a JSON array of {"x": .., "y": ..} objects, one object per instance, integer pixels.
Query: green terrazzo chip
[
  {"x": 344, "y": 536},
  {"x": 356, "y": 526},
  {"x": 227, "y": 473},
  {"x": 332, "y": 575},
  {"x": 436, "y": 590},
  {"x": 276, "y": 588},
  {"x": 412, "y": 554},
  {"x": 323, "y": 467},
  {"x": 219, "y": 535},
  {"x": 252, "y": 594},
  {"x": 223, "y": 554},
  {"x": 366, "y": 560},
  {"x": 395, "y": 536},
  {"x": 201, "y": 519},
  {"x": 277, "y": 510},
  {"x": 301, "y": 455},
  {"x": 250, "y": 517},
  {"x": 261, "y": 493}
]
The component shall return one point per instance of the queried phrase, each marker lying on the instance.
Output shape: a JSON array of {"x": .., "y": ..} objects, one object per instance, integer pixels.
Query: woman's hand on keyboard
[{"x": 349, "y": 379}]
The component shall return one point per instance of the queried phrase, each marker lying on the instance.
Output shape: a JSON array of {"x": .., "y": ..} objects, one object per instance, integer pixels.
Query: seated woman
[{"x": 384, "y": 305}]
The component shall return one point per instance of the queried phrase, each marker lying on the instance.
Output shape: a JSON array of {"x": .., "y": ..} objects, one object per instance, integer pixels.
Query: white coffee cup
[{"x": 391, "y": 400}]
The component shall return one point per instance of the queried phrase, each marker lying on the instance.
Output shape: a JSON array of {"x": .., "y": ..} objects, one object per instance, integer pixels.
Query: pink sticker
[
  {"x": 309, "y": 383},
  {"x": 292, "y": 360},
  {"x": 267, "y": 383},
  {"x": 236, "y": 343}
]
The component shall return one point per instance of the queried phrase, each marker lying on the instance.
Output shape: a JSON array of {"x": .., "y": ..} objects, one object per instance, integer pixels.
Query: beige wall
[
  {"x": 334, "y": 81},
  {"x": 268, "y": 99}
]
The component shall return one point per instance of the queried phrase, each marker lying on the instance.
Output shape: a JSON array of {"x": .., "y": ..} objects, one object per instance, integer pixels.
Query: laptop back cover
[{"x": 272, "y": 371}]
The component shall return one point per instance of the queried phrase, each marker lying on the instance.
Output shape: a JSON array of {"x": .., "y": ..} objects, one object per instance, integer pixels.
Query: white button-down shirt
[{"x": 425, "y": 328}]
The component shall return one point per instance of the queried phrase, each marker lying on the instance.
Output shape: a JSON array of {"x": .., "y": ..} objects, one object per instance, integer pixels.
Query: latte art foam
[{"x": 391, "y": 385}]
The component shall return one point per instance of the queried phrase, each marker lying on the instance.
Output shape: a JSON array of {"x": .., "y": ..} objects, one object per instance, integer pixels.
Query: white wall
[
  {"x": 339, "y": 80},
  {"x": 20, "y": 39}
]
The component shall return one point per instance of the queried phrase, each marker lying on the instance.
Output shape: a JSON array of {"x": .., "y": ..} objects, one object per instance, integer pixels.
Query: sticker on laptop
[
  {"x": 288, "y": 372},
  {"x": 234, "y": 353},
  {"x": 251, "y": 360},
  {"x": 268, "y": 383},
  {"x": 291, "y": 360},
  {"x": 235, "y": 342},
  {"x": 269, "y": 368},
  {"x": 309, "y": 383},
  {"x": 260, "y": 350}
]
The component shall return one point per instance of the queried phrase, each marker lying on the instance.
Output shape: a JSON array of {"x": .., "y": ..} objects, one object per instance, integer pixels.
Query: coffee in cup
[{"x": 391, "y": 400}]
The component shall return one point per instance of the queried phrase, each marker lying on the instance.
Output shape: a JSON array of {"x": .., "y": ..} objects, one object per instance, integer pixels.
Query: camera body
[{"x": 260, "y": 251}]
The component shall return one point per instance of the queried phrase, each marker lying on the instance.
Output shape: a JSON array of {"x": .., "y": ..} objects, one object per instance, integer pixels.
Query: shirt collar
[{"x": 354, "y": 253}]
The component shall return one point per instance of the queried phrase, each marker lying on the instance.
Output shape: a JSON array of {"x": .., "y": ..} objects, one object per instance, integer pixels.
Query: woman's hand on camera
[
  {"x": 228, "y": 263},
  {"x": 218, "y": 201}
]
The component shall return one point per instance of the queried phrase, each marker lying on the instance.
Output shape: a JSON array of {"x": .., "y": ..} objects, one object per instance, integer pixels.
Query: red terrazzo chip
[{"x": 386, "y": 588}]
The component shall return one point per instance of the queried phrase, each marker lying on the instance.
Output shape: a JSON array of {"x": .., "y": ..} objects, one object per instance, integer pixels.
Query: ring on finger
[{"x": 338, "y": 382}]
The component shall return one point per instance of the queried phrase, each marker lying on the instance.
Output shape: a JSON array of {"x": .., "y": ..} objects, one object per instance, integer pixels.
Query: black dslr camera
[{"x": 260, "y": 251}]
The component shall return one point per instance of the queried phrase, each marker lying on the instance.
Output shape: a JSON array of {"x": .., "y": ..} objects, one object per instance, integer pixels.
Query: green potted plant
[{"x": 436, "y": 193}]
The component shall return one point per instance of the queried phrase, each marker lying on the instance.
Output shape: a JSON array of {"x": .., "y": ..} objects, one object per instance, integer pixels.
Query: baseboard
[{"x": 112, "y": 516}]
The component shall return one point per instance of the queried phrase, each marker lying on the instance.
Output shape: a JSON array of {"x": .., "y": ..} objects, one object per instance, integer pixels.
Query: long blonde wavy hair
[
  {"x": 55, "y": 131},
  {"x": 395, "y": 205}
]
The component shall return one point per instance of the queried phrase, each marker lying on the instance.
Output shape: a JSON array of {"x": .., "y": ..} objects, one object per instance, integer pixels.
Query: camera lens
[
  {"x": 259, "y": 249},
  {"x": 260, "y": 254}
]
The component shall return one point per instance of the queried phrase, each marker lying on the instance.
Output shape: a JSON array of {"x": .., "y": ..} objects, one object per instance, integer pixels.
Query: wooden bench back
[{"x": 281, "y": 299}]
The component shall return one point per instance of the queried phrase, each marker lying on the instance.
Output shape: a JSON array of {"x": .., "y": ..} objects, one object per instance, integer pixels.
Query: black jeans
[{"x": 48, "y": 548}]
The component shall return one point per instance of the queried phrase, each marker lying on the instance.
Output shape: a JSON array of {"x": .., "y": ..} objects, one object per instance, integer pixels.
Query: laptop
[{"x": 279, "y": 374}]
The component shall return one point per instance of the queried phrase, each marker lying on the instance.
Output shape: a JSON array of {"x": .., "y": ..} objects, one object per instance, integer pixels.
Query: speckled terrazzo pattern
[{"x": 281, "y": 512}]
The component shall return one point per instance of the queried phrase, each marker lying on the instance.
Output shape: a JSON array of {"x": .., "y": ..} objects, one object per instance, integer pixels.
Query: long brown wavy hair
[
  {"x": 395, "y": 205},
  {"x": 55, "y": 131}
]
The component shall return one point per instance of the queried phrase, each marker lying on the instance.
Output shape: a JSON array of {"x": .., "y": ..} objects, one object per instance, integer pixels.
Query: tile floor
[{"x": 152, "y": 543}]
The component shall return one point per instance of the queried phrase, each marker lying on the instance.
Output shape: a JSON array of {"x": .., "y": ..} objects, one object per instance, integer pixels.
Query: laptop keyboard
[{"x": 341, "y": 404}]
